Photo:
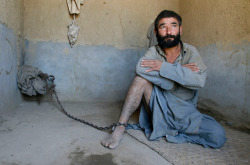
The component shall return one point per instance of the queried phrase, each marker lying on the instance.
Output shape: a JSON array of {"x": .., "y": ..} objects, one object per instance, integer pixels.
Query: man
[{"x": 168, "y": 78}]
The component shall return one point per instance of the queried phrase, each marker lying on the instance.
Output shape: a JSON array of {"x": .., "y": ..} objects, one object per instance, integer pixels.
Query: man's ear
[
  {"x": 180, "y": 30},
  {"x": 155, "y": 31}
]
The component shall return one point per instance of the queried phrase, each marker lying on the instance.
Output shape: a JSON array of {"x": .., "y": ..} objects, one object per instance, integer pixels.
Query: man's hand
[
  {"x": 153, "y": 65},
  {"x": 192, "y": 66}
]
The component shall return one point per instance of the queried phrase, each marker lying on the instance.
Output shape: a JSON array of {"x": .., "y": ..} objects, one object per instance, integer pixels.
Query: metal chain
[
  {"x": 81, "y": 120},
  {"x": 92, "y": 125}
]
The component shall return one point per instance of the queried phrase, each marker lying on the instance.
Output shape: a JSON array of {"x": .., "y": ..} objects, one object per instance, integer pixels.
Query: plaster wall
[
  {"x": 10, "y": 52},
  {"x": 112, "y": 38},
  {"x": 121, "y": 24},
  {"x": 220, "y": 30}
]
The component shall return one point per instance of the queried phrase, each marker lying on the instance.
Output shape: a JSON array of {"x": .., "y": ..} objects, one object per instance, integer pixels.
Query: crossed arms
[{"x": 191, "y": 75}]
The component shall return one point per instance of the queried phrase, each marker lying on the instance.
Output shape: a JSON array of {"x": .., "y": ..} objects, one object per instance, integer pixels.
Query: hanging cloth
[
  {"x": 33, "y": 81},
  {"x": 73, "y": 32},
  {"x": 74, "y": 8},
  {"x": 152, "y": 36}
]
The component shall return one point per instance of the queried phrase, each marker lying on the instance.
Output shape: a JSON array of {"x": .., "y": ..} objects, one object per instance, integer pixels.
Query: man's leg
[{"x": 139, "y": 88}]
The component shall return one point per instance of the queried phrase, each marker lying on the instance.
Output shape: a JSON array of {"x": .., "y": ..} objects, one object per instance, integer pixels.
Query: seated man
[{"x": 168, "y": 78}]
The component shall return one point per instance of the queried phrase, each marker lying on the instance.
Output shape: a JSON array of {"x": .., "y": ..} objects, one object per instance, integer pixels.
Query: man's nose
[{"x": 168, "y": 30}]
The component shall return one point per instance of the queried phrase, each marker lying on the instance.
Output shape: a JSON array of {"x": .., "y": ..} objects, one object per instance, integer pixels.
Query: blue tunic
[{"x": 173, "y": 101}]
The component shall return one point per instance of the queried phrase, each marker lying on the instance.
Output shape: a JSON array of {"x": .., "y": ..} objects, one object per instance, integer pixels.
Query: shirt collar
[{"x": 183, "y": 51}]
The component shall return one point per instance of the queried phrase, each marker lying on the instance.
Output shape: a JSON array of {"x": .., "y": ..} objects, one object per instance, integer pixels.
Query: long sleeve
[
  {"x": 183, "y": 75},
  {"x": 170, "y": 74},
  {"x": 154, "y": 76}
]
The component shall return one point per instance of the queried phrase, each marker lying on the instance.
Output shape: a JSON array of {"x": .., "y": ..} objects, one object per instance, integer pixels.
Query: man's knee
[
  {"x": 146, "y": 86},
  {"x": 142, "y": 80}
]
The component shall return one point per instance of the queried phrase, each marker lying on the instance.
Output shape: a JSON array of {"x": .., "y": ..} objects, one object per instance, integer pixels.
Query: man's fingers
[
  {"x": 153, "y": 65},
  {"x": 192, "y": 66},
  {"x": 147, "y": 63}
]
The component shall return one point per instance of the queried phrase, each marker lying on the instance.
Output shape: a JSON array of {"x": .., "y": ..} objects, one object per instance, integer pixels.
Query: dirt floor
[{"x": 38, "y": 133}]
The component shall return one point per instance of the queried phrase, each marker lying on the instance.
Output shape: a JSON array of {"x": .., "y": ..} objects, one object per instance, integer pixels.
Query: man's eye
[{"x": 162, "y": 27}]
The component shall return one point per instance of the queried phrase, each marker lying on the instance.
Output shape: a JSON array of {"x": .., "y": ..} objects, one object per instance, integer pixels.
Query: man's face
[{"x": 169, "y": 32}]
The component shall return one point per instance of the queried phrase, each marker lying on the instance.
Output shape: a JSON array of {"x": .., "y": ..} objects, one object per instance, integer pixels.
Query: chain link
[
  {"x": 95, "y": 126},
  {"x": 81, "y": 120}
]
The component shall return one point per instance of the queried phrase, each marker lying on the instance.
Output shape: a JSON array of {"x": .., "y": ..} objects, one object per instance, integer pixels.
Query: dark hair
[{"x": 167, "y": 14}]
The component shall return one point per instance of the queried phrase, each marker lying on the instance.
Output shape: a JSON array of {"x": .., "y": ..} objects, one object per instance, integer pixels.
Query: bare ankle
[
  {"x": 119, "y": 128},
  {"x": 113, "y": 140}
]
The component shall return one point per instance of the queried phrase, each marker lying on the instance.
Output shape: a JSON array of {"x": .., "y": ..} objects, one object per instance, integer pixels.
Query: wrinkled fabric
[
  {"x": 73, "y": 32},
  {"x": 152, "y": 40},
  {"x": 29, "y": 81},
  {"x": 73, "y": 28},
  {"x": 74, "y": 6},
  {"x": 173, "y": 113}
]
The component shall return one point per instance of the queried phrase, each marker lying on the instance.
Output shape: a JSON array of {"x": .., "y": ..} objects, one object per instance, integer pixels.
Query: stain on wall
[{"x": 220, "y": 30}]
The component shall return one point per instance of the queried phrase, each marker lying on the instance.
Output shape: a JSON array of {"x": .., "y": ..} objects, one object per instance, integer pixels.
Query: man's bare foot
[{"x": 114, "y": 138}]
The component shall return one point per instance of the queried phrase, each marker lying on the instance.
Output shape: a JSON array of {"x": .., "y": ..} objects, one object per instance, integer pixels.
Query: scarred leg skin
[{"x": 139, "y": 88}]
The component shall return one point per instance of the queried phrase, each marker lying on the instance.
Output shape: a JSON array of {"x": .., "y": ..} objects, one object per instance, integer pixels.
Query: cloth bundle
[
  {"x": 74, "y": 8},
  {"x": 31, "y": 81}
]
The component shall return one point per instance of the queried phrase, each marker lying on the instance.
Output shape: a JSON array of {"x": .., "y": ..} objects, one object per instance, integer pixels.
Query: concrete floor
[{"x": 39, "y": 134}]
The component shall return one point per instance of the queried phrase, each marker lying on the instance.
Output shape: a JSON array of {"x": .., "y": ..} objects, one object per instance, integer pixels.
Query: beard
[{"x": 167, "y": 42}]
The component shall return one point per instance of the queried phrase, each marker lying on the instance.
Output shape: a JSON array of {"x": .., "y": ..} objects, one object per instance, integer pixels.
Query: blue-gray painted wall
[
  {"x": 85, "y": 73},
  {"x": 9, "y": 93},
  {"x": 227, "y": 87},
  {"x": 103, "y": 73}
]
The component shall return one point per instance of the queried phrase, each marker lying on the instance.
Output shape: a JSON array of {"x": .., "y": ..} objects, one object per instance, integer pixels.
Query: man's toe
[{"x": 113, "y": 145}]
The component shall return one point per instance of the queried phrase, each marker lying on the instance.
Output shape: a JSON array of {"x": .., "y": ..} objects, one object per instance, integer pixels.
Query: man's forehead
[{"x": 169, "y": 20}]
